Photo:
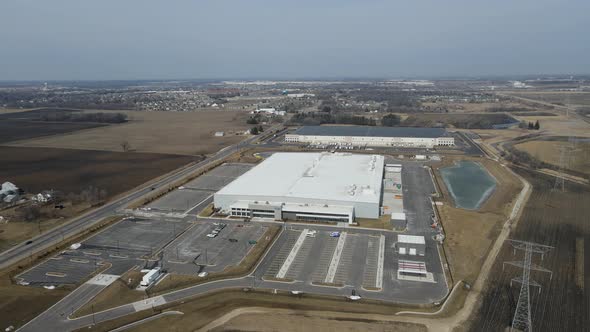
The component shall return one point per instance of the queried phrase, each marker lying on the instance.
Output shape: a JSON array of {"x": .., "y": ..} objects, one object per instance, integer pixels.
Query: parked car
[
  {"x": 233, "y": 240},
  {"x": 335, "y": 234},
  {"x": 211, "y": 235}
]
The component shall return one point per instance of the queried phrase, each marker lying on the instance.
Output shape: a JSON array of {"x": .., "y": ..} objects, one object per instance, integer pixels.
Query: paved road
[{"x": 86, "y": 221}]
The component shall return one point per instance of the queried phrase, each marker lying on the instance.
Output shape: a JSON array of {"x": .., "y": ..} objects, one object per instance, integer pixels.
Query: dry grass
[
  {"x": 19, "y": 304},
  {"x": 202, "y": 310},
  {"x": 384, "y": 222},
  {"x": 550, "y": 152},
  {"x": 293, "y": 321},
  {"x": 188, "y": 133},
  {"x": 470, "y": 234},
  {"x": 557, "y": 97},
  {"x": 207, "y": 211}
]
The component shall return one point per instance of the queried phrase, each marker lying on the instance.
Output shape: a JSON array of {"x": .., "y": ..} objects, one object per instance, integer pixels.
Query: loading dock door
[
  {"x": 402, "y": 251},
  {"x": 413, "y": 251}
]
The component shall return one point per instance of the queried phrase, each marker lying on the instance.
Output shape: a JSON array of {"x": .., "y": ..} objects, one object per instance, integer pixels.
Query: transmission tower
[
  {"x": 522, "y": 319},
  {"x": 559, "y": 179},
  {"x": 566, "y": 154}
]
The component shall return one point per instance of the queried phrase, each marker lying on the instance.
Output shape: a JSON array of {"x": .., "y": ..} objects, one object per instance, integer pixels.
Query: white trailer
[{"x": 149, "y": 277}]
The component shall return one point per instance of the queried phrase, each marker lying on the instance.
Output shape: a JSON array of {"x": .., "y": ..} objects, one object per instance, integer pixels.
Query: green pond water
[{"x": 469, "y": 183}]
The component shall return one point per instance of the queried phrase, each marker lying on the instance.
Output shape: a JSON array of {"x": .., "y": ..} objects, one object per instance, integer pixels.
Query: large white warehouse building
[
  {"x": 372, "y": 136},
  {"x": 307, "y": 187}
]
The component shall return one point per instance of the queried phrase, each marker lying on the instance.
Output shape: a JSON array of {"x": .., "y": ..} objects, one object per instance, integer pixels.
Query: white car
[{"x": 211, "y": 235}]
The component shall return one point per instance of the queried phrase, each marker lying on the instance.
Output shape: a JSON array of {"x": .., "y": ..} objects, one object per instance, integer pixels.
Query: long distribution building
[
  {"x": 334, "y": 187},
  {"x": 372, "y": 136}
]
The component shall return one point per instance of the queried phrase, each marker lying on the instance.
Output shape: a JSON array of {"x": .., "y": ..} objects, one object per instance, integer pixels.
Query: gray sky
[{"x": 145, "y": 39}]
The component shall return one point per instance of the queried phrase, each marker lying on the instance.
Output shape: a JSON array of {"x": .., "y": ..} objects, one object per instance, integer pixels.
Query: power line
[{"x": 522, "y": 319}]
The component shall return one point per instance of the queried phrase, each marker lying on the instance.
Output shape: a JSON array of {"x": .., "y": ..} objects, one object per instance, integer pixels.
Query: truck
[{"x": 149, "y": 277}]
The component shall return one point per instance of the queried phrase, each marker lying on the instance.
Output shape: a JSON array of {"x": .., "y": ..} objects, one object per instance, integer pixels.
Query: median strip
[
  {"x": 289, "y": 260},
  {"x": 335, "y": 259},
  {"x": 380, "y": 260}
]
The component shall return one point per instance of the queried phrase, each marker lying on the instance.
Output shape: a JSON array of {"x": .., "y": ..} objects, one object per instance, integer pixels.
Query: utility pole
[
  {"x": 522, "y": 319},
  {"x": 93, "y": 318}
]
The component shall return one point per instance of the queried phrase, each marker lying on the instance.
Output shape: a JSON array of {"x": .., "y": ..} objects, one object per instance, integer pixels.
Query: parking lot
[
  {"x": 196, "y": 194},
  {"x": 120, "y": 247},
  {"x": 351, "y": 259},
  {"x": 194, "y": 251}
]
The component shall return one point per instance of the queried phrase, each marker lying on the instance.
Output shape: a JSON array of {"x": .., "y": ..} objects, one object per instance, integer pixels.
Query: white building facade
[
  {"x": 372, "y": 136},
  {"x": 325, "y": 187}
]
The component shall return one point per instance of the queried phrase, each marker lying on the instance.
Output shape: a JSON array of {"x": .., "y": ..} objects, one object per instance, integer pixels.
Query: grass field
[
  {"x": 203, "y": 310},
  {"x": 187, "y": 133},
  {"x": 293, "y": 321},
  {"x": 563, "y": 98},
  {"x": 549, "y": 151},
  {"x": 553, "y": 218}
]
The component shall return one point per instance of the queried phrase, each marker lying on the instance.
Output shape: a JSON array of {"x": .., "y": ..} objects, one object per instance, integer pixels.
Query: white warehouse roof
[{"x": 329, "y": 176}]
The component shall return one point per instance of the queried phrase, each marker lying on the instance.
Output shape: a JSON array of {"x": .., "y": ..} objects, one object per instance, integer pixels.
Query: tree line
[
  {"x": 319, "y": 118},
  {"x": 83, "y": 117}
]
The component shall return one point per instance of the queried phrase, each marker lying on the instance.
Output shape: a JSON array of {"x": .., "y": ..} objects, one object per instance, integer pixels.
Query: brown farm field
[
  {"x": 186, "y": 133},
  {"x": 72, "y": 171},
  {"x": 13, "y": 130},
  {"x": 67, "y": 170},
  {"x": 554, "y": 218}
]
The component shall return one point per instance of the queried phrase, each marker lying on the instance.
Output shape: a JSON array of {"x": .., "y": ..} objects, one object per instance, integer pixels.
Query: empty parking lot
[
  {"x": 119, "y": 247},
  {"x": 194, "y": 251},
  {"x": 197, "y": 193},
  {"x": 317, "y": 258}
]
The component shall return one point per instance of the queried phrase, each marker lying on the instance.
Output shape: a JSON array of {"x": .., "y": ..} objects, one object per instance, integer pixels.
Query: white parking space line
[
  {"x": 335, "y": 259},
  {"x": 380, "y": 260},
  {"x": 289, "y": 260}
]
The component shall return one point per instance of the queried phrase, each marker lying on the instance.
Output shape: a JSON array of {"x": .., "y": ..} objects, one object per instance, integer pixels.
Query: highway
[{"x": 89, "y": 219}]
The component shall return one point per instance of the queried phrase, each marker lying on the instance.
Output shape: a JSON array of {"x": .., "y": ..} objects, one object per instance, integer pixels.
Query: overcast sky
[{"x": 145, "y": 39}]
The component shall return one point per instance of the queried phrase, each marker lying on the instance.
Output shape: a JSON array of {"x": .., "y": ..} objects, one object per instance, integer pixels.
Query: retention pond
[{"x": 469, "y": 183}]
